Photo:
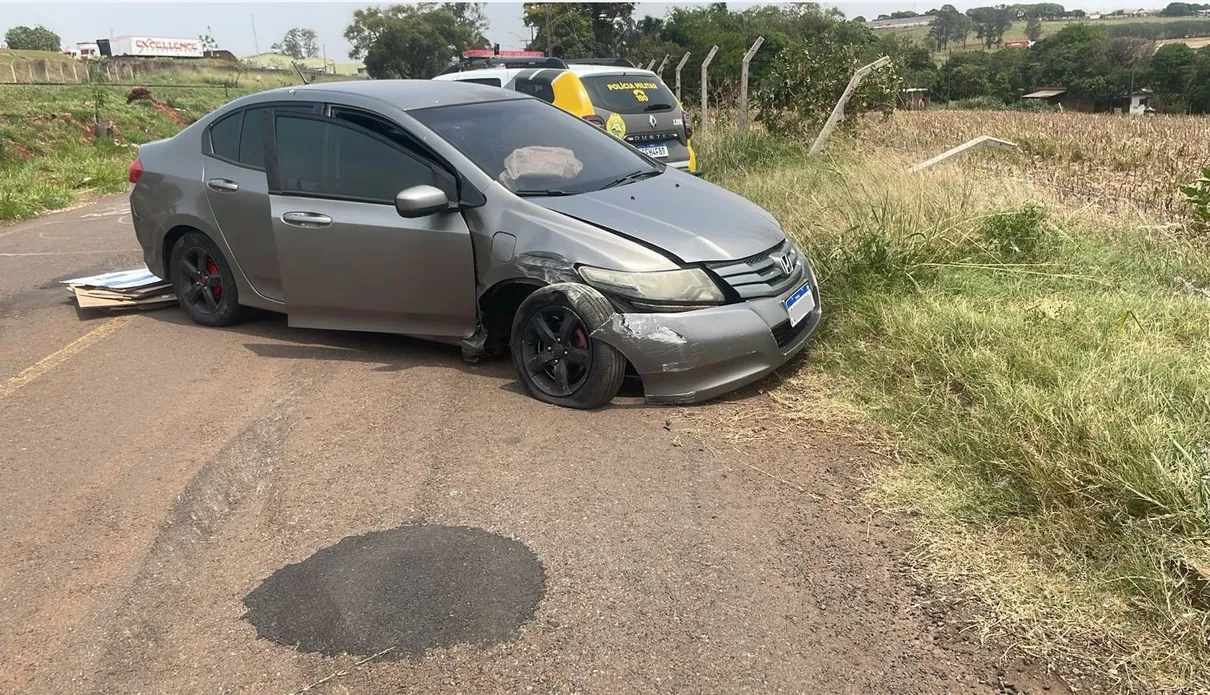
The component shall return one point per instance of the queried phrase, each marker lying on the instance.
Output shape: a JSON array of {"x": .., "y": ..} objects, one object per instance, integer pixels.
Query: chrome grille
[{"x": 766, "y": 274}]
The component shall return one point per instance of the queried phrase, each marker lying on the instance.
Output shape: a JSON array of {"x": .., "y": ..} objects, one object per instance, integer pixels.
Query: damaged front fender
[
  {"x": 652, "y": 343},
  {"x": 694, "y": 355}
]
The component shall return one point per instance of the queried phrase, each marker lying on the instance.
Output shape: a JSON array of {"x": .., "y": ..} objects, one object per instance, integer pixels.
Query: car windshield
[
  {"x": 629, "y": 93},
  {"x": 533, "y": 148}
]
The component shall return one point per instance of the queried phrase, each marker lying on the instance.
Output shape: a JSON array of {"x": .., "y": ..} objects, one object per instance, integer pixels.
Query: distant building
[
  {"x": 1136, "y": 103},
  {"x": 1058, "y": 96},
  {"x": 220, "y": 54},
  {"x": 901, "y": 22},
  {"x": 87, "y": 49},
  {"x": 914, "y": 98},
  {"x": 278, "y": 61}
]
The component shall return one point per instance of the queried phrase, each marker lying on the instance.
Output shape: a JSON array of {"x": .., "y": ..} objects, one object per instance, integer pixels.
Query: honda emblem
[
  {"x": 652, "y": 121},
  {"x": 786, "y": 263}
]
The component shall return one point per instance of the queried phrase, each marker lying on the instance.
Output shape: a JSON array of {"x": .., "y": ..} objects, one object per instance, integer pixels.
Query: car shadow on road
[{"x": 274, "y": 338}]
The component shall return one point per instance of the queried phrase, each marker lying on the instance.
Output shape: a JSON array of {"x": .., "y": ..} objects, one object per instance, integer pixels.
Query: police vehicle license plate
[
  {"x": 654, "y": 150},
  {"x": 799, "y": 304}
]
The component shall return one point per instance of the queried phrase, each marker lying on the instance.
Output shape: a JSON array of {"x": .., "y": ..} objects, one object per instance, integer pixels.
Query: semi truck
[{"x": 150, "y": 47}]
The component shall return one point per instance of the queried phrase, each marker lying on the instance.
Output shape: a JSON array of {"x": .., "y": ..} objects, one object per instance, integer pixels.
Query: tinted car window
[
  {"x": 489, "y": 81},
  {"x": 536, "y": 88},
  {"x": 629, "y": 93},
  {"x": 374, "y": 124},
  {"x": 529, "y": 146},
  {"x": 328, "y": 159},
  {"x": 224, "y": 137},
  {"x": 252, "y": 140}
]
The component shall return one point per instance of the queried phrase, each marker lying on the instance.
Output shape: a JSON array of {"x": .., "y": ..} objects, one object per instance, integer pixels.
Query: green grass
[
  {"x": 48, "y": 158},
  {"x": 1046, "y": 377}
]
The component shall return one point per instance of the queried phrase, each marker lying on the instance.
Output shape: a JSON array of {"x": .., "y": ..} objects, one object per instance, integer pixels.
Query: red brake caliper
[
  {"x": 212, "y": 269},
  {"x": 580, "y": 340}
]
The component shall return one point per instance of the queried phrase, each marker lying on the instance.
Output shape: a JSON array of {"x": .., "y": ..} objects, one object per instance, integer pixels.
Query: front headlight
[{"x": 689, "y": 285}]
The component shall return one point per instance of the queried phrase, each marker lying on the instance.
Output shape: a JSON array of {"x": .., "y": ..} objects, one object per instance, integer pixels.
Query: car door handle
[
  {"x": 223, "y": 185},
  {"x": 306, "y": 219}
]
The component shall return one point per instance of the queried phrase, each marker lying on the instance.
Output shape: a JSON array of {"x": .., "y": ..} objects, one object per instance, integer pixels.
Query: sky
[{"x": 245, "y": 28}]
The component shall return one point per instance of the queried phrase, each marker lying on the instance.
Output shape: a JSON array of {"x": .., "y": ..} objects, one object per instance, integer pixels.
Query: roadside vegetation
[
  {"x": 1043, "y": 372},
  {"x": 1129, "y": 165},
  {"x": 50, "y": 156}
]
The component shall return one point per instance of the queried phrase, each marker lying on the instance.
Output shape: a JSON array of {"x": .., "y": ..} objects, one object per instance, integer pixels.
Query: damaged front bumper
[{"x": 696, "y": 355}]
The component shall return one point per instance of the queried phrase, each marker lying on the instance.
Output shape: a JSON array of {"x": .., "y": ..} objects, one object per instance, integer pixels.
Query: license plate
[
  {"x": 654, "y": 150},
  {"x": 799, "y": 304}
]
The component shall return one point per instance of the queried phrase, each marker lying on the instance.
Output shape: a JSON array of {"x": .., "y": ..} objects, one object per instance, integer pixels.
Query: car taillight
[
  {"x": 596, "y": 120},
  {"x": 136, "y": 171},
  {"x": 688, "y": 124}
]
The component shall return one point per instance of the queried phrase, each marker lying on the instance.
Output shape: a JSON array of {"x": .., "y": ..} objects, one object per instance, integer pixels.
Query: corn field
[{"x": 1119, "y": 162}]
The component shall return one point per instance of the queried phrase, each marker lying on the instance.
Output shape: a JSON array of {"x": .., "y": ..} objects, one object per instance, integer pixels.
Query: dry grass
[
  {"x": 1115, "y": 162},
  {"x": 1043, "y": 368}
]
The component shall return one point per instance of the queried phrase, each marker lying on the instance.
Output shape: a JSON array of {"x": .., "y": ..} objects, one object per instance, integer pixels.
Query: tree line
[{"x": 1089, "y": 63}]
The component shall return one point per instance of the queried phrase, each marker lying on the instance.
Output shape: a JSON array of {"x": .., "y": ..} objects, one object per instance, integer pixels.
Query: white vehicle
[{"x": 630, "y": 103}]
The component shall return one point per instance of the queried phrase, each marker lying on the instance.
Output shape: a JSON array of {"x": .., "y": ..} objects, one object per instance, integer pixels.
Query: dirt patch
[
  {"x": 22, "y": 152},
  {"x": 171, "y": 113},
  {"x": 409, "y": 589}
]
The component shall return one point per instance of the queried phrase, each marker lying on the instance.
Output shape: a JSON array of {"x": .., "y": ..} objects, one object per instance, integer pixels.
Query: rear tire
[
  {"x": 203, "y": 281},
  {"x": 556, "y": 358}
]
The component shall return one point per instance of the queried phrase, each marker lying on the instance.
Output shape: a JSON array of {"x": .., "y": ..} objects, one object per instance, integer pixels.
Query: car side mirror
[{"x": 421, "y": 201}]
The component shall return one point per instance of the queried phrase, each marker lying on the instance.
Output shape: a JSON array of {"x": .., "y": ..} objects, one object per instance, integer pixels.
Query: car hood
[{"x": 684, "y": 216}]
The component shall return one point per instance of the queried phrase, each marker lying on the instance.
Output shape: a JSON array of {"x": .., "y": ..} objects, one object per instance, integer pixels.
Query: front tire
[
  {"x": 203, "y": 281},
  {"x": 556, "y": 358}
]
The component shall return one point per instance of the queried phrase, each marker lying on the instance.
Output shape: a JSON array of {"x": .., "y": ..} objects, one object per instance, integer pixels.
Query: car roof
[
  {"x": 591, "y": 70},
  {"x": 506, "y": 74},
  {"x": 403, "y": 94}
]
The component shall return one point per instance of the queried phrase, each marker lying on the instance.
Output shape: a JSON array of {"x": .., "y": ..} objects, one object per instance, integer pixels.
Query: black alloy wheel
[
  {"x": 556, "y": 351},
  {"x": 205, "y": 289},
  {"x": 557, "y": 358},
  {"x": 203, "y": 281}
]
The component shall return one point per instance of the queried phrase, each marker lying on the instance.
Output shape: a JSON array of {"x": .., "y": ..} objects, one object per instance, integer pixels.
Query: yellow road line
[{"x": 61, "y": 355}]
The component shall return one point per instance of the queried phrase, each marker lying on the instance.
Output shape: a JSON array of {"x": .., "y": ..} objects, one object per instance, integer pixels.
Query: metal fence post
[
  {"x": 663, "y": 64},
  {"x": 650, "y": 63},
  {"x": 29, "y": 67},
  {"x": 705, "y": 105},
  {"x": 743, "y": 85},
  {"x": 13, "y": 67},
  {"x": 75, "y": 76},
  {"x": 838, "y": 110},
  {"x": 680, "y": 65}
]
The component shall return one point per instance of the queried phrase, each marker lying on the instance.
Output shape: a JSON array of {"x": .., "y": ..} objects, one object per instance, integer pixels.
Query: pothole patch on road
[{"x": 411, "y": 589}]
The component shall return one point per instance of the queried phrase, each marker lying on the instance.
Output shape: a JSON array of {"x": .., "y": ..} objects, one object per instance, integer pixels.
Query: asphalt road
[{"x": 154, "y": 473}]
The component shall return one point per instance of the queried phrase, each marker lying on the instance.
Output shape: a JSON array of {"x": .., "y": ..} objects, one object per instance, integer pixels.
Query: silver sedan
[{"x": 480, "y": 217}]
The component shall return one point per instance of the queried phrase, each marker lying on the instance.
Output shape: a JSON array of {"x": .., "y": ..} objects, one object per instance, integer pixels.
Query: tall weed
[{"x": 1048, "y": 376}]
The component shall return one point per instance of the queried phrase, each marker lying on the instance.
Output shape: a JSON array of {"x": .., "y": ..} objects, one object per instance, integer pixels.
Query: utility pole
[
  {"x": 255, "y": 43},
  {"x": 549, "y": 38},
  {"x": 325, "y": 47}
]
